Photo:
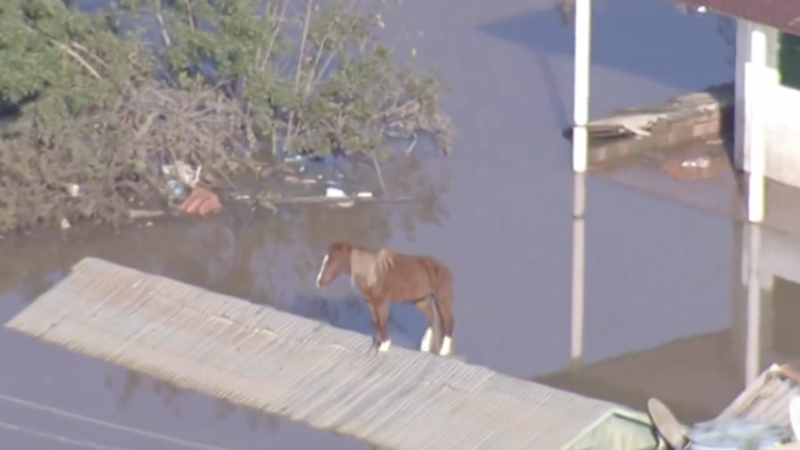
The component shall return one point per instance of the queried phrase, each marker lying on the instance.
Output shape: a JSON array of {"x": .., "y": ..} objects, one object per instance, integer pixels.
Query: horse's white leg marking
[
  {"x": 385, "y": 346},
  {"x": 447, "y": 346},
  {"x": 425, "y": 345},
  {"x": 321, "y": 269}
]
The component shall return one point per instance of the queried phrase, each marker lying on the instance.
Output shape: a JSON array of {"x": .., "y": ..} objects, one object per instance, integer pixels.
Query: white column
[
  {"x": 756, "y": 79},
  {"x": 583, "y": 47},
  {"x": 753, "y": 343},
  {"x": 578, "y": 271},
  {"x": 743, "y": 32}
]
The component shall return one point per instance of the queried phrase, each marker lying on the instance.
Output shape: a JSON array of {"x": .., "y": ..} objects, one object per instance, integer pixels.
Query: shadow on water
[
  {"x": 269, "y": 259},
  {"x": 650, "y": 39}
]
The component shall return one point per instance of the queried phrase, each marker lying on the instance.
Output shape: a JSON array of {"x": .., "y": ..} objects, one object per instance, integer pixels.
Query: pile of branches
[{"x": 107, "y": 109}]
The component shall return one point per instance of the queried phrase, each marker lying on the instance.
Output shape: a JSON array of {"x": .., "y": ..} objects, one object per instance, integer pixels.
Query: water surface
[{"x": 501, "y": 217}]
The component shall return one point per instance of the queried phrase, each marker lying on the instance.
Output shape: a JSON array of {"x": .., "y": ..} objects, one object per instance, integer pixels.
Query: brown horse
[{"x": 384, "y": 276}]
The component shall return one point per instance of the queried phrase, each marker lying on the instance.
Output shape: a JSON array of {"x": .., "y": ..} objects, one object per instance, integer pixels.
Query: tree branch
[{"x": 78, "y": 58}]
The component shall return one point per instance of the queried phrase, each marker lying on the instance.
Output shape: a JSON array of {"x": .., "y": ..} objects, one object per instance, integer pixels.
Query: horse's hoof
[
  {"x": 447, "y": 347},
  {"x": 380, "y": 347},
  {"x": 425, "y": 344},
  {"x": 384, "y": 346}
]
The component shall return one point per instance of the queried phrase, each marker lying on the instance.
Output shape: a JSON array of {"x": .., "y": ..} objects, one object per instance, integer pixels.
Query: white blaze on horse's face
[{"x": 321, "y": 270}]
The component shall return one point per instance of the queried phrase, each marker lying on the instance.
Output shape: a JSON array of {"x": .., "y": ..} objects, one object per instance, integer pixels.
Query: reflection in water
[
  {"x": 267, "y": 259},
  {"x": 773, "y": 298},
  {"x": 578, "y": 270},
  {"x": 753, "y": 347},
  {"x": 170, "y": 395},
  {"x": 699, "y": 375}
]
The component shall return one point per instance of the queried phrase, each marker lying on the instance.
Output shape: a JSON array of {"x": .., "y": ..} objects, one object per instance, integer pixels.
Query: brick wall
[{"x": 709, "y": 122}]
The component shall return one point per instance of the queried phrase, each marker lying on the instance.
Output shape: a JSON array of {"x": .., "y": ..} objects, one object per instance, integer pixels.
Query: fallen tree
[{"x": 109, "y": 100}]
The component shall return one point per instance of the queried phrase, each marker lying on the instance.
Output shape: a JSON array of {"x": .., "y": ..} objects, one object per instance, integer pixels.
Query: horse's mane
[{"x": 370, "y": 265}]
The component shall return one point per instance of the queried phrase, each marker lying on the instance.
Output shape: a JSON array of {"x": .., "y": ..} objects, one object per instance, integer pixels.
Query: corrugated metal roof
[
  {"x": 781, "y": 14},
  {"x": 767, "y": 398},
  {"x": 300, "y": 368}
]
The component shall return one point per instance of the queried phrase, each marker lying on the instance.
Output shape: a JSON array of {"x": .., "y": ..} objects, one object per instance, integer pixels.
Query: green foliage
[{"x": 224, "y": 84}]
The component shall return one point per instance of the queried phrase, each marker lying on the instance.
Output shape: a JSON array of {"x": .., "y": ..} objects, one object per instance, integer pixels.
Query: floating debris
[
  {"x": 694, "y": 167},
  {"x": 200, "y": 202},
  {"x": 181, "y": 176},
  {"x": 183, "y": 172},
  {"x": 144, "y": 213},
  {"x": 292, "y": 157},
  {"x": 73, "y": 190},
  {"x": 296, "y": 180},
  {"x": 332, "y": 192},
  {"x": 699, "y": 162},
  {"x": 737, "y": 433},
  {"x": 176, "y": 190}
]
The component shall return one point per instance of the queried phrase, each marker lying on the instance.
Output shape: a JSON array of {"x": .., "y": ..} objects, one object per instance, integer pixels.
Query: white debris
[
  {"x": 183, "y": 172},
  {"x": 74, "y": 190},
  {"x": 333, "y": 192}
]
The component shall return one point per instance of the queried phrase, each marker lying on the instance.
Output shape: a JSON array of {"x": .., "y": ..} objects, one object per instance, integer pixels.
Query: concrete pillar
[
  {"x": 583, "y": 48},
  {"x": 756, "y": 91},
  {"x": 743, "y": 28}
]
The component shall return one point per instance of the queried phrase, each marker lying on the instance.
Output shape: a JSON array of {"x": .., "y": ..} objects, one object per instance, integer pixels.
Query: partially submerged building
[
  {"x": 767, "y": 82},
  {"x": 767, "y": 99}
]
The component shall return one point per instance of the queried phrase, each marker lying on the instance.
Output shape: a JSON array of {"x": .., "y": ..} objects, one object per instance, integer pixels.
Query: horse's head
[{"x": 335, "y": 262}]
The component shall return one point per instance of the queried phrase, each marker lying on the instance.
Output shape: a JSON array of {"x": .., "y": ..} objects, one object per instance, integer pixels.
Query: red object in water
[{"x": 200, "y": 203}]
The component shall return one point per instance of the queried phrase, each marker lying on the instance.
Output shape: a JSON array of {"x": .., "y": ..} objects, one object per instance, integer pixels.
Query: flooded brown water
[{"x": 659, "y": 275}]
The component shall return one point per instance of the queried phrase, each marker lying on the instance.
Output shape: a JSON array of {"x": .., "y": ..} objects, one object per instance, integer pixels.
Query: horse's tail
[
  {"x": 437, "y": 327},
  {"x": 441, "y": 302}
]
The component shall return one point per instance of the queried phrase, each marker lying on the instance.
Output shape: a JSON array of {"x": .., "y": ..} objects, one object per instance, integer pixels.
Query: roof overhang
[{"x": 781, "y": 14}]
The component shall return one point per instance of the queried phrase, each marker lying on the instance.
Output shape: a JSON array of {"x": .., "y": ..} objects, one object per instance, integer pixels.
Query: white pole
[
  {"x": 583, "y": 47},
  {"x": 578, "y": 271},
  {"x": 756, "y": 80},
  {"x": 753, "y": 345}
]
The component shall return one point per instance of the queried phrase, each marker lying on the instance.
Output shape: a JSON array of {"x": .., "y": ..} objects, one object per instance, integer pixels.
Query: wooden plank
[{"x": 299, "y": 368}]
